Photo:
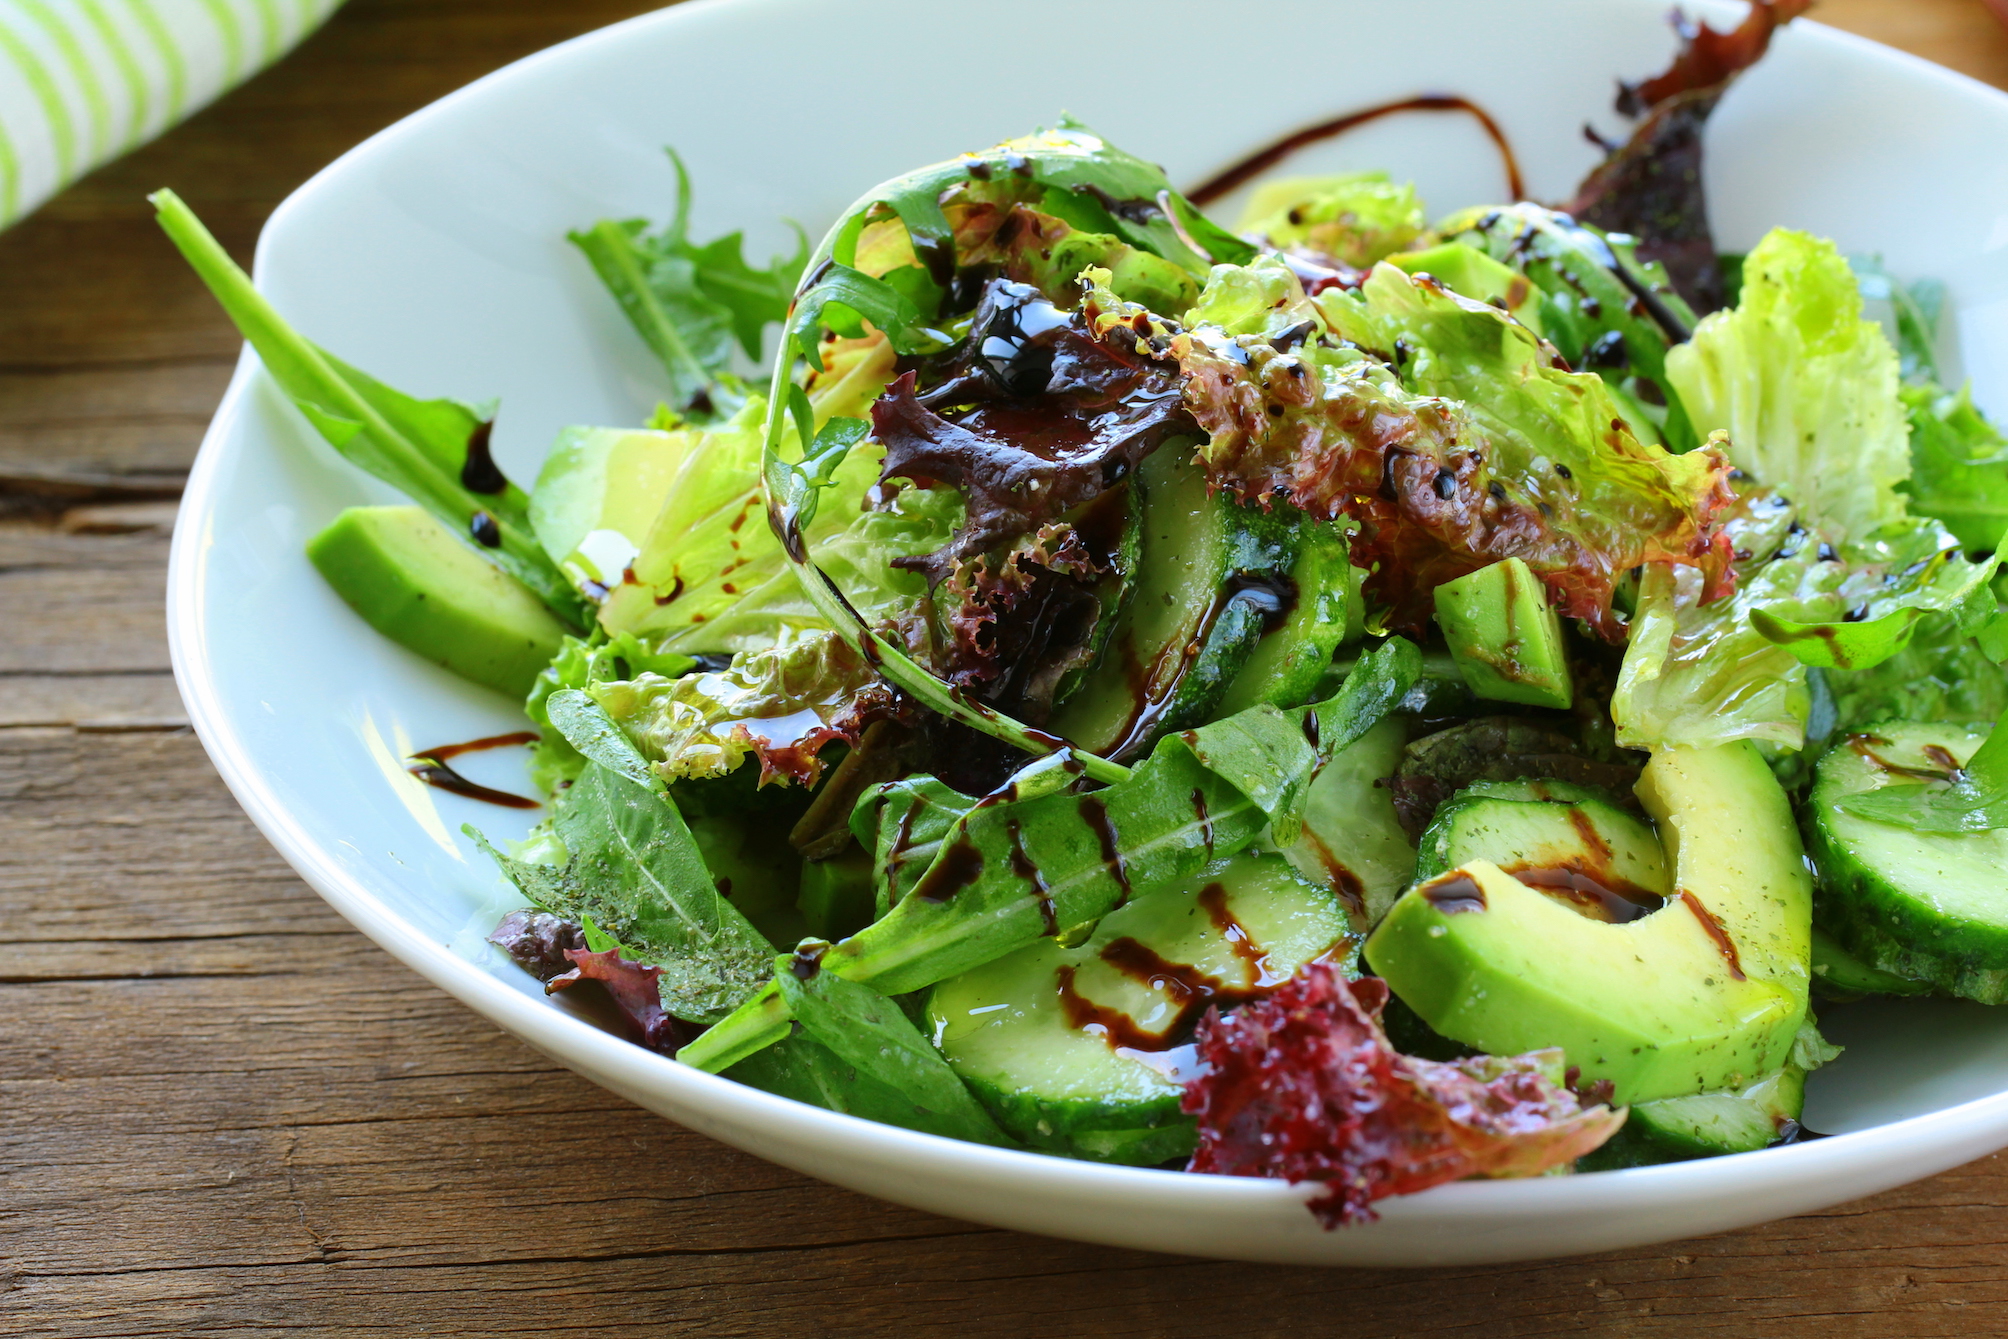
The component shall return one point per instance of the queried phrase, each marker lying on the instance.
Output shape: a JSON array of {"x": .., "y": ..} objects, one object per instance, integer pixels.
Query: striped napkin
[{"x": 82, "y": 81}]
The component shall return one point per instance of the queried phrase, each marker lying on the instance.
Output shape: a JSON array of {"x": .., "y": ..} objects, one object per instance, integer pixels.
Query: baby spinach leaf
[
  {"x": 1975, "y": 799},
  {"x": 634, "y": 872},
  {"x": 434, "y": 451}
]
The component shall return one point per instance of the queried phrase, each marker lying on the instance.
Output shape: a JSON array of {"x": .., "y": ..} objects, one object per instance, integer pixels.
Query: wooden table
[{"x": 222, "y": 1111}]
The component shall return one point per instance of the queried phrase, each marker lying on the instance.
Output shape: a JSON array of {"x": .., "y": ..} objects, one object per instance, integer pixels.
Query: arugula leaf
[
  {"x": 421, "y": 447},
  {"x": 902, "y": 823},
  {"x": 842, "y": 298},
  {"x": 690, "y": 302},
  {"x": 1975, "y": 799},
  {"x": 1958, "y": 465}
]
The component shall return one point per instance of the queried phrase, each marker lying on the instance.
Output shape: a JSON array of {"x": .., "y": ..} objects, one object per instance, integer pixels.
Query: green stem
[
  {"x": 752, "y": 1027},
  {"x": 304, "y": 373}
]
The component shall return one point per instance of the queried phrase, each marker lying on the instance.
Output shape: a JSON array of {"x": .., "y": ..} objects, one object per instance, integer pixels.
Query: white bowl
[{"x": 434, "y": 256}]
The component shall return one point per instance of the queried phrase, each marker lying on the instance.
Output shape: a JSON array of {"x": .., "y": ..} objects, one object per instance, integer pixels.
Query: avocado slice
[
  {"x": 1505, "y": 636},
  {"x": 1703, "y": 994},
  {"x": 420, "y": 585}
]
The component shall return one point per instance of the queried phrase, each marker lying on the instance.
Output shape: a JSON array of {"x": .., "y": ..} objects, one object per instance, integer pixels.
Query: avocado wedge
[
  {"x": 1703, "y": 994},
  {"x": 418, "y": 584}
]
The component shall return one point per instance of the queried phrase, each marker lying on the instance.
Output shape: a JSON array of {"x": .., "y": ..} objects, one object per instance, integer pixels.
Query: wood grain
[{"x": 222, "y": 1112}]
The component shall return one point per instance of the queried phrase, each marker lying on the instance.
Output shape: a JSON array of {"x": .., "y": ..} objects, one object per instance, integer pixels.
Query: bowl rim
[{"x": 611, "y": 1060}]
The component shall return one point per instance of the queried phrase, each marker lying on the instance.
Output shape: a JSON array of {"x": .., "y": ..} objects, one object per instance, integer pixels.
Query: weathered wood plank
[{"x": 269, "y": 1125}]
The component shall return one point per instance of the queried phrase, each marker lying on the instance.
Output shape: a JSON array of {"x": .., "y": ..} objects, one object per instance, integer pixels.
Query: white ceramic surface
[{"x": 434, "y": 255}]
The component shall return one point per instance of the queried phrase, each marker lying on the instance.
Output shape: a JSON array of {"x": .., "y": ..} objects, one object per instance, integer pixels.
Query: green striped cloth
[{"x": 82, "y": 81}]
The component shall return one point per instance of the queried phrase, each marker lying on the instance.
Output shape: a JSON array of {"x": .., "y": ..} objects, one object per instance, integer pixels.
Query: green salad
[{"x": 1351, "y": 698}]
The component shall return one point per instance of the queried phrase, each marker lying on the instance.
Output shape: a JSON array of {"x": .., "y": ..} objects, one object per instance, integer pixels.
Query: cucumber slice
[
  {"x": 1078, "y": 1051},
  {"x": 1212, "y": 579},
  {"x": 1535, "y": 788},
  {"x": 1930, "y": 907},
  {"x": 1589, "y": 853},
  {"x": 1840, "y": 976},
  {"x": 1706, "y": 1125},
  {"x": 1289, "y": 662},
  {"x": 1353, "y": 842}
]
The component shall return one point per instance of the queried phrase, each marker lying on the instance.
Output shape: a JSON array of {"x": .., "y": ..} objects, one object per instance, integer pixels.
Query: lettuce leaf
[
  {"x": 1895, "y": 579},
  {"x": 1833, "y": 571},
  {"x": 553, "y": 761},
  {"x": 1357, "y": 219},
  {"x": 1702, "y": 672},
  {"x": 1446, "y": 429},
  {"x": 712, "y": 577},
  {"x": 780, "y": 705},
  {"x": 1805, "y": 387},
  {"x": 1605, "y": 309}
]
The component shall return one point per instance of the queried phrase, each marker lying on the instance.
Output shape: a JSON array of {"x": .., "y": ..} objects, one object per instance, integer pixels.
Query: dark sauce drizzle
[
  {"x": 480, "y": 473},
  {"x": 1713, "y": 929},
  {"x": 1190, "y": 989},
  {"x": 1594, "y": 893},
  {"x": 1455, "y": 895},
  {"x": 954, "y": 869},
  {"x": 1023, "y": 866},
  {"x": 1204, "y": 817},
  {"x": 1096, "y": 815},
  {"x": 429, "y": 766},
  {"x": 1261, "y": 161}
]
